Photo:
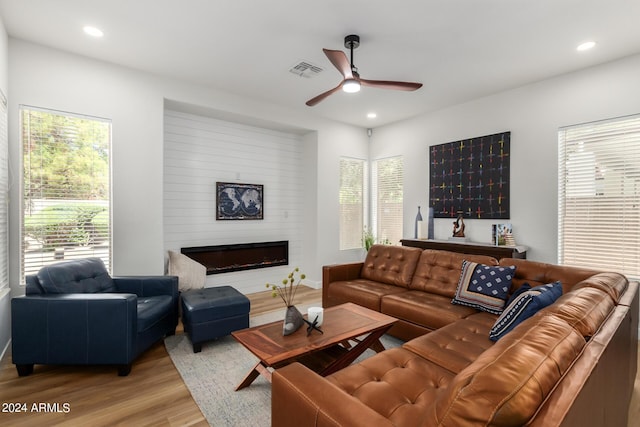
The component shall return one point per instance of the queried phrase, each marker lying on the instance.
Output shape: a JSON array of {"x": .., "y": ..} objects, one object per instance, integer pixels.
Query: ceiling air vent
[{"x": 305, "y": 69}]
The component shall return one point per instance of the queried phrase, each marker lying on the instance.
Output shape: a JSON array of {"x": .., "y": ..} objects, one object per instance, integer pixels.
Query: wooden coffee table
[{"x": 324, "y": 353}]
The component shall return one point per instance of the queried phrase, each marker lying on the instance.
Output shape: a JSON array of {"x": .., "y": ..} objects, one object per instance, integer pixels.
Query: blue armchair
[{"x": 74, "y": 313}]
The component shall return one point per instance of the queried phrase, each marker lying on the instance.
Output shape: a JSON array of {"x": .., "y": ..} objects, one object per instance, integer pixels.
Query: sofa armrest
[
  {"x": 147, "y": 286},
  {"x": 336, "y": 273},
  {"x": 151, "y": 286},
  {"x": 74, "y": 328},
  {"x": 300, "y": 397}
]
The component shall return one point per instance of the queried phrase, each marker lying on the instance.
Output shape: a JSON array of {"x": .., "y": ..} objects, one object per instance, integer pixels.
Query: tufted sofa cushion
[
  {"x": 78, "y": 276},
  {"x": 397, "y": 383},
  {"x": 455, "y": 346},
  {"x": 392, "y": 265},
  {"x": 438, "y": 272}
]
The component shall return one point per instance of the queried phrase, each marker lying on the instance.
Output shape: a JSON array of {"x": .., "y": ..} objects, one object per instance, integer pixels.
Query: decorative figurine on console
[{"x": 458, "y": 225}]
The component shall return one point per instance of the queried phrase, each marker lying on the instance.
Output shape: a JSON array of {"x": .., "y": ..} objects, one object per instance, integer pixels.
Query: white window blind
[
  {"x": 4, "y": 194},
  {"x": 387, "y": 212},
  {"x": 599, "y": 195},
  {"x": 66, "y": 188},
  {"x": 353, "y": 174}
]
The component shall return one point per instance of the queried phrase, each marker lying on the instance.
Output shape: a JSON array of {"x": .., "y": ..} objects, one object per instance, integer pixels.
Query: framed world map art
[
  {"x": 471, "y": 177},
  {"x": 239, "y": 201}
]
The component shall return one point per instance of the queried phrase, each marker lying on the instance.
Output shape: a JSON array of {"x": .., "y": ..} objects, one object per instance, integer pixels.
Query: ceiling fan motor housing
[{"x": 352, "y": 41}]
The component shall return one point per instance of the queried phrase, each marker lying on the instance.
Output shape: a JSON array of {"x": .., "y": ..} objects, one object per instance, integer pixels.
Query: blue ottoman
[{"x": 212, "y": 313}]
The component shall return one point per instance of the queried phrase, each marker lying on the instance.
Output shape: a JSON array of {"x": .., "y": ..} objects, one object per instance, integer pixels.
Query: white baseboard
[{"x": 315, "y": 284}]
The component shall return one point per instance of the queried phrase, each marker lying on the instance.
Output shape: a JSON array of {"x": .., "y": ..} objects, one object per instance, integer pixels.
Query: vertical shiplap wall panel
[{"x": 198, "y": 152}]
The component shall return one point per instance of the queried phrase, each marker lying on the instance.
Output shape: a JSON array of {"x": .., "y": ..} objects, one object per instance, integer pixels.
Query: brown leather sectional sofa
[{"x": 573, "y": 363}]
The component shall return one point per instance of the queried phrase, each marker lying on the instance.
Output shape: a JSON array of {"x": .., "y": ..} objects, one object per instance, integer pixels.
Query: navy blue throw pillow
[{"x": 524, "y": 305}]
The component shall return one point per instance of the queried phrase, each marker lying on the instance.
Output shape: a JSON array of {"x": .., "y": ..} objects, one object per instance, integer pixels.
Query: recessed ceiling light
[
  {"x": 372, "y": 115},
  {"x": 586, "y": 46},
  {"x": 93, "y": 31}
]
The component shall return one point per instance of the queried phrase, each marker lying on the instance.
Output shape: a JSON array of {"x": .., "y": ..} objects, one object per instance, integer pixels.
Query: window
[
  {"x": 599, "y": 195},
  {"x": 352, "y": 202},
  {"x": 387, "y": 213},
  {"x": 66, "y": 188},
  {"x": 4, "y": 195}
]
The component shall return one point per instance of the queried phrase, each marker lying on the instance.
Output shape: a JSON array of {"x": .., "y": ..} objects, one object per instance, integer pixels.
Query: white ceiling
[{"x": 459, "y": 49}]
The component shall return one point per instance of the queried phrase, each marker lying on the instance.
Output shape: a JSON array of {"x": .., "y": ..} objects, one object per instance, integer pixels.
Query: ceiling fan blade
[
  {"x": 340, "y": 61},
  {"x": 385, "y": 84},
  {"x": 317, "y": 99}
]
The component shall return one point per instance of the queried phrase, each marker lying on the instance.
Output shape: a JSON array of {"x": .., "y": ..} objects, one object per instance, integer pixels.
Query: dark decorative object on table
[
  {"x": 418, "y": 224},
  {"x": 292, "y": 320},
  {"x": 458, "y": 225},
  {"x": 430, "y": 225},
  {"x": 311, "y": 326}
]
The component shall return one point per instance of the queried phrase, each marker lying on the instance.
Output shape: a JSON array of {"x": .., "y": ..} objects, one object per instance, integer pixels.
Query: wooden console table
[{"x": 469, "y": 248}]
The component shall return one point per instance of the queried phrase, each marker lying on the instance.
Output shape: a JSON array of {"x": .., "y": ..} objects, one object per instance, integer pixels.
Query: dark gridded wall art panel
[{"x": 471, "y": 175}]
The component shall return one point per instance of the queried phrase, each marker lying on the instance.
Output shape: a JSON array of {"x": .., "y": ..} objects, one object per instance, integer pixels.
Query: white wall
[
  {"x": 5, "y": 297},
  {"x": 533, "y": 114},
  {"x": 200, "y": 151},
  {"x": 134, "y": 101}
]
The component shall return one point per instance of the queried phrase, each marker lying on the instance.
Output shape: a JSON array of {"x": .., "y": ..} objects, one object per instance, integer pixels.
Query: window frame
[
  {"x": 106, "y": 232},
  {"x": 364, "y": 194},
  {"x": 377, "y": 220},
  {"x": 598, "y": 218}
]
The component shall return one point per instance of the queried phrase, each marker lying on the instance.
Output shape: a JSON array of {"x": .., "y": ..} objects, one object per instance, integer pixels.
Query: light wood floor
[{"x": 152, "y": 395}]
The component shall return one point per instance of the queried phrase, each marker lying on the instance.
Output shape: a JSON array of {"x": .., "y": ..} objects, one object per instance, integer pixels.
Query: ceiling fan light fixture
[{"x": 351, "y": 86}]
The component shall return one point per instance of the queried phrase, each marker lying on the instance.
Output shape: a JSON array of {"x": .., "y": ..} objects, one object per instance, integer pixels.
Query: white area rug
[{"x": 213, "y": 374}]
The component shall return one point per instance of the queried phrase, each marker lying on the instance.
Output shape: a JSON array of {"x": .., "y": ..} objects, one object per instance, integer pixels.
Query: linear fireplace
[{"x": 242, "y": 256}]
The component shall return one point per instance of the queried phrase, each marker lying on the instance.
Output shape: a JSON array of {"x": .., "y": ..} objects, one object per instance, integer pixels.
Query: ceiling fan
[{"x": 351, "y": 81}]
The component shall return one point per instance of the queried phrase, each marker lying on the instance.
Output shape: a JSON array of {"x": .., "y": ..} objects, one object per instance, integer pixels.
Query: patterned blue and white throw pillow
[
  {"x": 484, "y": 287},
  {"x": 527, "y": 302}
]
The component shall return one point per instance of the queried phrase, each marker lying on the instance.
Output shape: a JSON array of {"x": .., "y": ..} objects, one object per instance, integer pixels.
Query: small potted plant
[{"x": 368, "y": 239}]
